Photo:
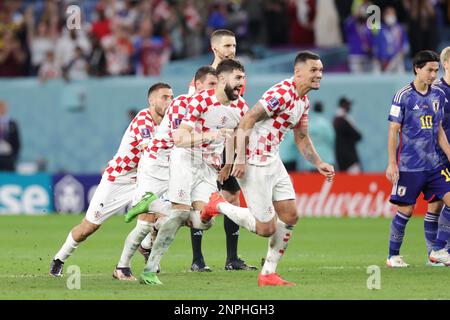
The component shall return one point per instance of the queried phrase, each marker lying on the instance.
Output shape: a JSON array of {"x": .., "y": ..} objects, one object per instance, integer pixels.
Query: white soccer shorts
[
  {"x": 110, "y": 197},
  {"x": 262, "y": 185},
  {"x": 190, "y": 180},
  {"x": 152, "y": 177}
]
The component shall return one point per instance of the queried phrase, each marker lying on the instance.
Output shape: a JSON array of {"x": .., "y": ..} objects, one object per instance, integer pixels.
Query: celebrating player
[
  {"x": 197, "y": 156},
  {"x": 223, "y": 45},
  {"x": 414, "y": 165},
  {"x": 265, "y": 182},
  {"x": 118, "y": 182},
  {"x": 153, "y": 170}
]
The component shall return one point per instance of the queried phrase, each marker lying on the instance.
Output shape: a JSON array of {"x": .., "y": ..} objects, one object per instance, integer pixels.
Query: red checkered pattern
[
  {"x": 162, "y": 142},
  {"x": 286, "y": 110},
  {"x": 139, "y": 132},
  {"x": 206, "y": 113}
]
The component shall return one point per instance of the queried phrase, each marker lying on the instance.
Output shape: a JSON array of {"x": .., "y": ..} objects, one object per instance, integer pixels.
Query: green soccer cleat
[
  {"x": 149, "y": 278},
  {"x": 140, "y": 207}
]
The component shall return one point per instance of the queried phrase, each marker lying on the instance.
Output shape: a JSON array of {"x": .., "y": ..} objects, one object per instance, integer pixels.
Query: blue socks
[
  {"x": 443, "y": 234},
  {"x": 430, "y": 227},
  {"x": 398, "y": 226}
]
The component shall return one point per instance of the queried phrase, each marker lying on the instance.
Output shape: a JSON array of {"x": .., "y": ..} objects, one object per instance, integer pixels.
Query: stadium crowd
[{"x": 131, "y": 37}]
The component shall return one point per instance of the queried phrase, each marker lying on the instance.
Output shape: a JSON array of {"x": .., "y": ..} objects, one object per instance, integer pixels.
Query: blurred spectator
[
  {"x": 276, "y": 22},
  {"x": 9, "y": 140},
  {"x": 288, "y": 151},
  {"x": 12, "y": 56},
  {"x": 422, "y": 25},
  {"x": 347, "y": 135},
  {"x": 300, "y": 17},
  {"x": 256, "y": 31},
  {"x": 193, "y": 32},
  {"x": 326, "y": 25},
  {"x": 150, "y": 52},
  {"x": 97, "y": 59},
  {"x": 65, "y": 47},
  {"x": 322, "y": 135},
  {"x": 49, "y": 69},
  {"x": 77, "y": 69},
  {"x": 41, "y": 39},
  {"x": 391, "y": 43},
  {"x": 101, "y": 27},
  {"x": 218, "y": 15},
  {"x": 118, "y": 49},
  {"x": 359, "y": 41}
]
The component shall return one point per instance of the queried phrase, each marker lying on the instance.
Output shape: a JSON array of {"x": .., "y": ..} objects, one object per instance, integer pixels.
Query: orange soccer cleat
[
  {"x": 273, "y": 279},
  {"x": 210, "y": 210}
]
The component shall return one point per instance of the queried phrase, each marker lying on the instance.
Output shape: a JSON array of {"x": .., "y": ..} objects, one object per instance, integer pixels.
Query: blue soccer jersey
[
  {"x": 419, "y": 116},
  {"x": 446, "y": 120}
]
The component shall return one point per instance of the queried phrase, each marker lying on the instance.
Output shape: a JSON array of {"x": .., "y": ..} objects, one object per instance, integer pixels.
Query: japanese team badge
[
  {"x": 435, "y": 105},
  {"x": 401, "y": 191}
]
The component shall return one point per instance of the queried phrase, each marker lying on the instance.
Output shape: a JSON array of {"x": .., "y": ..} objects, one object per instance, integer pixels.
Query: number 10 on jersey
[{"x": 427, "y": 122}]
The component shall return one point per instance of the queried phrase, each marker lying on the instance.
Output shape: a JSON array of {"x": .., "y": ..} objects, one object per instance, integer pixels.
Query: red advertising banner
[{"x": 363, "y": 195}]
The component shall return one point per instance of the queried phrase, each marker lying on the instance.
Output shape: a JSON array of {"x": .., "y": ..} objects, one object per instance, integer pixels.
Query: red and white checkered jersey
[
  {"x": 205, "y": 113},
  {"x": 286, "y": 110},
  {"x": 138, "y": 133},
  {"x": 160, "y": 146}
]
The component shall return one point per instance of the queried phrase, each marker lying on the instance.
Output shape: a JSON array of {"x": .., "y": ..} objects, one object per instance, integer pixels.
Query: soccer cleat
[
  {"x": 434, "y": 264},
  {"x": 210, "y": 210},
  {"x": 56, "y": 268},
  {"x": 140, "y": 207},
  {"x": 123, "y": 274},
  {"x": 273, "y": 279},
  {"x": 238, "y": 264},
  {"x": 200, "y": 267},
  {"x": 149, "y": 278},
  {"x": 396, "y": 262},
  {"x": 146, "y": 253},
  {"x": 440, "y": 256}
]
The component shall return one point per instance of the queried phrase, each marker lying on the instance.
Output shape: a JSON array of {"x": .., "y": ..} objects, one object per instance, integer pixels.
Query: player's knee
[
  {"x": 265, "y": 229},
  {"x": 87, "y": 228}
]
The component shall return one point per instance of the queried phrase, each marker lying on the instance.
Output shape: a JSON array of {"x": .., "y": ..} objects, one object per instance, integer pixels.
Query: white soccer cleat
[
  {"x": 434, "y": 264},
  {"x": 396, "y": 262},
  {"x": 440, "y": 256}
]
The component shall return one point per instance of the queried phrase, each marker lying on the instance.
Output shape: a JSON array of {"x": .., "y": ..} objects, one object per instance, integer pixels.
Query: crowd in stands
[{"x": 138, "y": 37}]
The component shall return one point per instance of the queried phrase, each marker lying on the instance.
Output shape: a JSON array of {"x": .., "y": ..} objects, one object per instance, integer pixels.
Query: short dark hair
[
  {"x": 422, "y": 57},
  {"x": 157, "y": 86},
  {"x": 304, "y": 56},
  {"x": 229, "y": 65},
  {"x": 221, "y": 33},
  {"x": 202, "y": 72}
]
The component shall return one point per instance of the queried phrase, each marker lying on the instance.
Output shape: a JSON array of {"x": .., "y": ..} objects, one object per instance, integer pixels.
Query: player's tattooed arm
[
  {"x": 443, "y": 141},
  {"x": 305, "y": 145},
  {"x": 306, "y": 148},
  {"x": 392, "y": 173}
]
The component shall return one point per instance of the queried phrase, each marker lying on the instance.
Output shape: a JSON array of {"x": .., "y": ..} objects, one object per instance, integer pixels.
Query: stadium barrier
[{"x": 364, "y": 195}]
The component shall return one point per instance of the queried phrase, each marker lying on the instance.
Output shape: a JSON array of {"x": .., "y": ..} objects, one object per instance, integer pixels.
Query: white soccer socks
[
  {"x": 278, "y": 243},
  {"x": 67, "y": 249},
  {"x": 132, "y": 242},
  {"x": 166, "y": 234},
  {"x": 197, "y": 223},
  {"x": 240, "y": 216}
]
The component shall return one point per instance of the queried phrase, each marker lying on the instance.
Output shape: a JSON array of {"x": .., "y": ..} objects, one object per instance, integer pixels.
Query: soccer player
[
  {"x": 118, "y": 183},
  {"x": 264, "y": 180},
  {"x": 223, "y": 45},
  {"x": 435, "y": 207},
  {"x": 197, "y": 156},
  {"x": 153, "y": 171},
  {"x": 414, "y": 164}
]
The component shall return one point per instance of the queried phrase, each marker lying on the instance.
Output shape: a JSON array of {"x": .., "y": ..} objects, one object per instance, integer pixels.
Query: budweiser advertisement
[{"x": 363, "y": 195}]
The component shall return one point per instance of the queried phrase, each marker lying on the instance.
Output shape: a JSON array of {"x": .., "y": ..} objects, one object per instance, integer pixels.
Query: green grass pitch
[{"x": 327, "y": 258}]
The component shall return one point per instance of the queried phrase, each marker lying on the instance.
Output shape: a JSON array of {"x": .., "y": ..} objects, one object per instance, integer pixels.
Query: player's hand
[
  {"x": 224, "y": 173},
  {"x": 392, "y": 173},
  {"x": 238, "y": 170},
  {"x": 326, "y": 170}
]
